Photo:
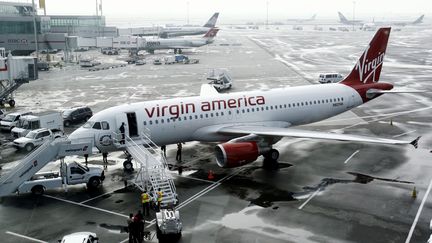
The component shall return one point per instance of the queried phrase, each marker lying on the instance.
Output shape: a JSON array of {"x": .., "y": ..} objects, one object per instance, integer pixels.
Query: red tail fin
[
  {"x": 368, "y": 67},
  {"x": 211, "y": 33}
]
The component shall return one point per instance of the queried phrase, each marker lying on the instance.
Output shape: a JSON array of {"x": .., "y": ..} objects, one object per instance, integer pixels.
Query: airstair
[
  {"x": 153, "y": 174},
  {"x": 27, "y": 167}
]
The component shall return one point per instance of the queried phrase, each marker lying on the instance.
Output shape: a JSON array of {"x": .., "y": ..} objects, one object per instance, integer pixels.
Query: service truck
[
  {"x": 51, "y": 120},
  {"x": 168, "y": 225},
  {"x": 70, "y": 174},
  {"x": 11, "y": 120}
]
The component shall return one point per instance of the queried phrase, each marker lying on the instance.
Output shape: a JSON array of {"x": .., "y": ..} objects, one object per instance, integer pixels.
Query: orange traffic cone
[
  {"x": 414, "y": 193},
  {"x": 210, "y": 175}
]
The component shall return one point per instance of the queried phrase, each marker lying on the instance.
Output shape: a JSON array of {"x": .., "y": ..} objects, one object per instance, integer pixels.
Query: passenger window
[
  {"x": 285, "y": 106},
  {"x": 151, "y": 122},
  {"x": 145, "y": 123},
  {"x": 185, "y": 118},
  {"x": 201, "y": 115},
  {"x": 217, "y": 113},
  {"x": 179, "y": 118},
  {"x": 211, "y": 114},
  {"x": 196, "y": 117},
  {"x": 105, "y": 125},
  {"x": 190, "y": 117},
  {"x": 206, "y": 115},
  {"x": 97, "y": 126},
  {"x": 247, "y": 109},
  {"x": 229, "y": 113},
  {"x": 168, "y": 120},
  {"x": 162, "y": 120},
  {"x": 222, "y": 113},
  {"x": 243, "y": 111}
]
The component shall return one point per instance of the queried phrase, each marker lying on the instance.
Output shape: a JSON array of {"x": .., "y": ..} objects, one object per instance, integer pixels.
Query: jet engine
[{"x": 229, "y": 155}]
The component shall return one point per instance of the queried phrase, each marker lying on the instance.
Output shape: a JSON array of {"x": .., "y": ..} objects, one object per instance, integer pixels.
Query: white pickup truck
[
  {"x": 11, "y": 120},
  {"x": 35, "y": 138},
  {"x": 70, "y": 174}
]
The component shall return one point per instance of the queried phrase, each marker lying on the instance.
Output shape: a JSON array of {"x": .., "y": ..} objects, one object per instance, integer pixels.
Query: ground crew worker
[
  {"x": 179, "y": 152},
  {"x": 86, "y": 159},
  {"x": 159, "y": 198},
  {"x": 163, "y": 149},
  {"x": 145, "y": 200},
  {"x": 105, "y": 160},
  {"x": 122, "y": 132}
]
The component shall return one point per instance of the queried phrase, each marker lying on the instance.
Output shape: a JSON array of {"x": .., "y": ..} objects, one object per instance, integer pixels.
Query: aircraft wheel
[
  {"x": 12, "y": 103},
  {"x": 273, "y": 154},
  {"x": 128, "y": 166}
]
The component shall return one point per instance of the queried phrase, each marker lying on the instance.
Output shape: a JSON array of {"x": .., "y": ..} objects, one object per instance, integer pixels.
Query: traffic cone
[
  {"x": 210, "y": 175},
  {"x": 414, "y": 193}
]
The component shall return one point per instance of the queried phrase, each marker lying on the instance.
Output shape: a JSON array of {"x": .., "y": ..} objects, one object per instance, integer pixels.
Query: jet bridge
[{"x": 27, "y": 167}]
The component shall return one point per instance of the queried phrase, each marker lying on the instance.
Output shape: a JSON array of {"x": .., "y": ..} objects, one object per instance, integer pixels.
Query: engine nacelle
[{"x": 229, "y": 155}]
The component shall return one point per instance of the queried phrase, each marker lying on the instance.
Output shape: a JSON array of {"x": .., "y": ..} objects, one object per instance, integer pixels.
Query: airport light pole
[
  {"x": 353, "y": 14},
  {"x": 35, "y": 30},
  {"x": 187, "y": 5},
  {"x": 267, "y": 4}
]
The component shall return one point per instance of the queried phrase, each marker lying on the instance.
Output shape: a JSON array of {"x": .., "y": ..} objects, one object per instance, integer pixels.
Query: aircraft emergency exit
[{"x": 248, "y": 123}]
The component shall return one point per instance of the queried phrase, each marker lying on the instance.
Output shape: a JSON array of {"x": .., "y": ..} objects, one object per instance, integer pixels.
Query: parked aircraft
[
  {"x": 169, "y": 32},
  {"x": 303, "y": 20},
  {"x": 249, "y": 122},
  {"x": 344, "y": 20},
  {"x": 177, "y": 44}
]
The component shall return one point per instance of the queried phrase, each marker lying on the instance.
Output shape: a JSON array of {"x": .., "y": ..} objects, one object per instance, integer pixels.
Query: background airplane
[
  {"x": 250, "y": 122},
  {"x": 303, "y": 20},
  {"x": 168, "y": 32},
  {"x": 344, "y": 20},
  {"x": 177, "y": 44}
]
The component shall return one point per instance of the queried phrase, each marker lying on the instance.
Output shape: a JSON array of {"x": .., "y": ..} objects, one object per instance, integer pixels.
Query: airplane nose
[{"x": 80, "y": 134}]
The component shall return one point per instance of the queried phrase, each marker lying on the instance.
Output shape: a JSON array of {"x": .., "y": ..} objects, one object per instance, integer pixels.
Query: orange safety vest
[
  {"x": 159, "y": 194},
  {"x": 145, "y": 198}
]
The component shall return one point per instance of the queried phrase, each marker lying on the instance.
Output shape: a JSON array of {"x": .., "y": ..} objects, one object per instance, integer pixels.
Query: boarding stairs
[
  {"x": 7, "y": 87},
  {"x": 27, "y": 167},
  {"x": 153, "y": 174}
]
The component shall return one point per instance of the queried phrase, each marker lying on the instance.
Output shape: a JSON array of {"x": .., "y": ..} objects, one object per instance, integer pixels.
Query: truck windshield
[
  {"x": 31, "y": 135},
  {"x": 9, "y": 118},
  {"x": 82, "y": 167}
]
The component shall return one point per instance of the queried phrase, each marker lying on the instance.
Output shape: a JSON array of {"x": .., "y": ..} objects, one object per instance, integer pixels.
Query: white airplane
[
  {"x": 303, "y": 20},
  {"x": 177, "y": 44},
  {"x": 344, "y": 20},
  {"x": 169, "y": 32},
  {"x": 247, "y": 123}
]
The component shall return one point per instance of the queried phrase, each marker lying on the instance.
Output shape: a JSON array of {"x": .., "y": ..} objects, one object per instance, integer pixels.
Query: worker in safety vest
[
  {"x": 159, "y": 198},
  {"x": 145, "y": 200}
]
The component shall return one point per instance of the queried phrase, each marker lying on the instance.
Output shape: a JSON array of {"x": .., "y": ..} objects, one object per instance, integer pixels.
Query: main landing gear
[
  {"x": 127, "y": 164},
  {"x": 270, "y": 160}
]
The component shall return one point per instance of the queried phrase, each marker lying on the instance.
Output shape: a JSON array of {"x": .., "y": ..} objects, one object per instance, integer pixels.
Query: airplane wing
[{"x": 298, "y": 133}]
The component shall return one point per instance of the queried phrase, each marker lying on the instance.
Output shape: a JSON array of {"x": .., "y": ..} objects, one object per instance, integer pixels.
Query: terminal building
[{"x": 17, "y": 28}]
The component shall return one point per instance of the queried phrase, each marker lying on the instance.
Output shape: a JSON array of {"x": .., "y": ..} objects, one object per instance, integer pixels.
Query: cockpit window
[
  {"x": 97, "y": 125},
  {"x": 105, "y": 125},
  {"x": 88, "y": 124}
]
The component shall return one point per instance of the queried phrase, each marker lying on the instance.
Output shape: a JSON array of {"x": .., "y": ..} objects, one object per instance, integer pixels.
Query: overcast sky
[{"x": 200, "y": 10}]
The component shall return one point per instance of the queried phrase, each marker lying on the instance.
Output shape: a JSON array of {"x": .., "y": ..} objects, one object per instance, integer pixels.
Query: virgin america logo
[{"x": 368, "y": 67}]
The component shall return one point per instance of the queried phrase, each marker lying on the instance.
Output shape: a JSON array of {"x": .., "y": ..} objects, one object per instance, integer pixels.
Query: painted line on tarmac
[
  {"x": 352, "y": 155},
  {"x": 87, "y": 206},
  {"x": 198, "y": 179},
  {"x": 209, "y": 188},
  {"x": 418, "y": 213},
  {"x": 25, "y": 237},
  {"x": 310, "y": 198},
  {"x": 405, "y": 133},
  {"x": 93, "y": 198}
]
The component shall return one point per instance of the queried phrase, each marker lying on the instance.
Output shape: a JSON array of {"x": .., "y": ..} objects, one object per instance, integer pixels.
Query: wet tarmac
[{"x": 321, "y": 192}]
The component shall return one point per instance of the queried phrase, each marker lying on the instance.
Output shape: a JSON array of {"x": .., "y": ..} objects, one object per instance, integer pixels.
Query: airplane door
[
  {"x": 350, "y": 102},
  {"x": 132, "y": 124},
  {"x": 119, "y": 120}
]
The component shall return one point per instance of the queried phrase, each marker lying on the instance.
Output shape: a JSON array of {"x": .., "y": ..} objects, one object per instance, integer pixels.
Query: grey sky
[{"x": 200, "y": 10}]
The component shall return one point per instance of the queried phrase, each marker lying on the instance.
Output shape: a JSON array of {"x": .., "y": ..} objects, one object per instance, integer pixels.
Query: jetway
[
  {"x": 27, "y": 167},
  {"x": 120, "y": 42},
  {"x": 14, "y": 72}
]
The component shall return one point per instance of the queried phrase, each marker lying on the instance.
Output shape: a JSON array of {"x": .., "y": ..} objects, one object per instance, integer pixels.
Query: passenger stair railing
[{"x": 153, "y": 174}]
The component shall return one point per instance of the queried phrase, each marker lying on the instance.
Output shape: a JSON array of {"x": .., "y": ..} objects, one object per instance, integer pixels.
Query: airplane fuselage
[{"x": 194, "y": 118}]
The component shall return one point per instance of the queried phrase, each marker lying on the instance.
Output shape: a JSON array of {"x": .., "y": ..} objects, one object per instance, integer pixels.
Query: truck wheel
[
  {"x": 29, "y": 147},
  {"x": 12, "y": 103},
  {"x": 128, "y": 166},
  {"x": 66, "y": 123},
  {"x": 94, "y": 183},
  {"x": 38, "y": 190}
]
